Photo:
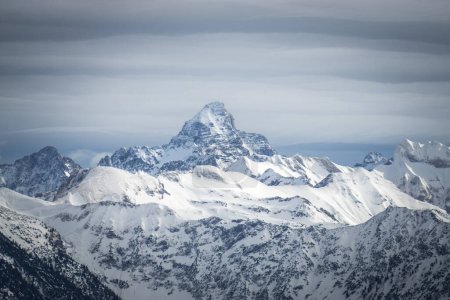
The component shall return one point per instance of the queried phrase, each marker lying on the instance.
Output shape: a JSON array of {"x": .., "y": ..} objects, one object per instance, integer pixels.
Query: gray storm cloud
[{"x": 91, "y": 76}]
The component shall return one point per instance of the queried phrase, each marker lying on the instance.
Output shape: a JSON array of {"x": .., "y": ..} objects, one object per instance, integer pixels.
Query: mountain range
[{"x": 216, "y": 213}]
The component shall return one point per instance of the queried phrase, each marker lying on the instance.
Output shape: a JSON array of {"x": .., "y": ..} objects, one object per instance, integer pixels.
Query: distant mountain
[
  {"x": 39, "y": 174},
  {"x": 209, "y": 138},
  {"x": 372, "y": 160},
  {"x": 346, "y": 154},
  {"x": 421, "y": 170},
  {"x": 34, "y": 264}
]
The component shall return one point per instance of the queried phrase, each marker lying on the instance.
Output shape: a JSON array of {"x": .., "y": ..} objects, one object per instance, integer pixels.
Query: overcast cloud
[{"x": 91, "y": 76}]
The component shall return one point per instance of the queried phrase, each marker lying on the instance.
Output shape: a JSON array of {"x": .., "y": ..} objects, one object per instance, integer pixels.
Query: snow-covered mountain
[
  {"x": 209, "y": 138},
  {"x": 217, "y": 214},
  {"x": 40, "y": 174},
  {"x": 421, "y": 170},
  {"x": 34, "y": 263},
  {"x": 345, "y": 198},
  {"x": 222, "y": 234},
  {"x": 165, "y": 250}
]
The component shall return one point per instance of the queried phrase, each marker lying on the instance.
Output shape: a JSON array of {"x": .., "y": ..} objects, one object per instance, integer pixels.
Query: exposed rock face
[
  {"x": 209, "y": 138},
  {"x": 40, "y": 174}
]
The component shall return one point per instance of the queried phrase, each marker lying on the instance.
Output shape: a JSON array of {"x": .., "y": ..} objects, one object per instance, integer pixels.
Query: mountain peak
[
  {"x": 209, "y": 138},
  {"x": 39, "y": 174},
  {"x": 48, "y": 150},
  {"x": 374, "y": 158},
  {"x": 215, "y": 117},
  {"x": 214, "y": 105},
  {"x": 371, "y": 160},
  {"x": 212, "y": 120}
]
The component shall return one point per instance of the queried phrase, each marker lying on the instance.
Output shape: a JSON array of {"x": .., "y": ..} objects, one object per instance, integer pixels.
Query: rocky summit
[{"x": 209, "y": 138}]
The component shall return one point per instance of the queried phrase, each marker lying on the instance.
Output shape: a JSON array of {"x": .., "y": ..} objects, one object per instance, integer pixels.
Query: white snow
[
  {"x": 119, "y": 201},
  {"x": 414, "y": 172},
  {"x": 350, "y": 198}
]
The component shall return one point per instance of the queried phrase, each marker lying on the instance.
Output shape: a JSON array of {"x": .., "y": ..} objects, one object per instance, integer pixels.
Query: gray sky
[{"x": 91, "y": 76}]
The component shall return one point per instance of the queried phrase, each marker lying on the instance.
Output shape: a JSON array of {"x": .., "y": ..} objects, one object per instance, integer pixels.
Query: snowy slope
[
  {"x": 149, "y": 251},
  {"x": 421, "y": 170},
  {"x": 157, "y": 236},
  {"x": 230, "y": 259},
  {"x": 281, "y": 170},
  {"x": 345, "y": 198}
]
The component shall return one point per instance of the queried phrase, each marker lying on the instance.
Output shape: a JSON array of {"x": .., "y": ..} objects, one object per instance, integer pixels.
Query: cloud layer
[{"x": 98, "y": 75}]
